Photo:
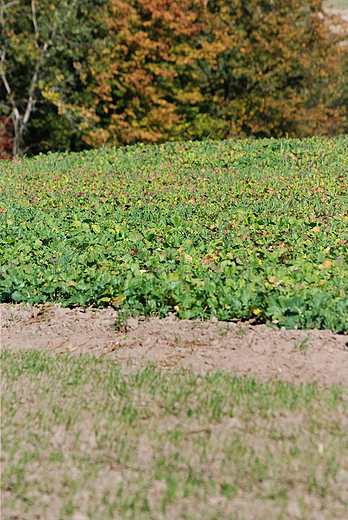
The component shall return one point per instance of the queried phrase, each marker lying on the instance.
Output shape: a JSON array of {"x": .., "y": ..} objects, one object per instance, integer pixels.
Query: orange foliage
[
  {"x": 139, "y": 77},
  {"x": 155, "y": 70},
  {"x": 184, "y": 69}
]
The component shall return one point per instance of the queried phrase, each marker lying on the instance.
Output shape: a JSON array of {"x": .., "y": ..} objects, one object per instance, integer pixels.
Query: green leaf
[{"x": 96, "y": 228}]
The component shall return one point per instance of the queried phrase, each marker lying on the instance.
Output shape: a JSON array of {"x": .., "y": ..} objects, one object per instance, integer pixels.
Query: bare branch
[
  {"x": 88, "y": 122},
  {"x": 31, "y": 99},
  {"x": 10, "y": 4},
  {"x": 33, "y": 10},
  {"x": 4, "y": 79},
  {"x": 3, "y": 8}
]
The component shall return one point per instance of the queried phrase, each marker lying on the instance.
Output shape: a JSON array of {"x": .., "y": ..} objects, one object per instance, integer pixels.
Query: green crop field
[{"x": 235, "y": 229}]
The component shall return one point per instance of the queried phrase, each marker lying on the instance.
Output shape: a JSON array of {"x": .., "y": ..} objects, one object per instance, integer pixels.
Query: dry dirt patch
[
  {"x": 301, "y": 356},
  {"x": 342, "y": 12}
]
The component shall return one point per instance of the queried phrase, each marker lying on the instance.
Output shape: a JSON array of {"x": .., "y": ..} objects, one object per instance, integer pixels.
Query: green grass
[
  {"x": 81, "y": 434},
  {"x": 235, "y": 229}
]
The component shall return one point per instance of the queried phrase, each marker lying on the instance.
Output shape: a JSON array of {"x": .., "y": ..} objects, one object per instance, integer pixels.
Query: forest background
[{"x": 83, "y": 73}]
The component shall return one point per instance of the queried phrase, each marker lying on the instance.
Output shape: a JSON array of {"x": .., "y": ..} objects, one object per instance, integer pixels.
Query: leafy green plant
[
  {"x": 235, "y": 230},
  {"x": 120, "y": 323}
]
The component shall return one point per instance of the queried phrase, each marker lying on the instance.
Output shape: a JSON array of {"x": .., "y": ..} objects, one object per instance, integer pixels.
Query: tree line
[{"x": 82, "y": 73}]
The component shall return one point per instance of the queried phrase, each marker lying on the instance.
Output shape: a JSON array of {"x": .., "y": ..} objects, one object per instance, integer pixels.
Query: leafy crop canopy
[{"x": 235, "y": 229}]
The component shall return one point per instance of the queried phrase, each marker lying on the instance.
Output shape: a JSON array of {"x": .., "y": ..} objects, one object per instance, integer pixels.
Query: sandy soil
[
  {"x": 300, "y": 356},
  {"x": 342, "y": 12}
]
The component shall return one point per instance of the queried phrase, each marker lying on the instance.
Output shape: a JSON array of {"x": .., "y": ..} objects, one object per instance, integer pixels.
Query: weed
[
  {"x": 301, "y": 345},
  {"x": 121, "y": 319},
  {"x": 224, "y": 330},
  {"x": 241, "y": 331}
]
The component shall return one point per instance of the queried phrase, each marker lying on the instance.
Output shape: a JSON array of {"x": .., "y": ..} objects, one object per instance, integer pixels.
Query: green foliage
[
  {"x": 45, "y": 49},
  {"x": 232, "y": 229}
]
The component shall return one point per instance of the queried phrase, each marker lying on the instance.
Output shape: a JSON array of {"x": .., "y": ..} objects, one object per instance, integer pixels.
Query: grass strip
[{"x": 83, "y": 436}]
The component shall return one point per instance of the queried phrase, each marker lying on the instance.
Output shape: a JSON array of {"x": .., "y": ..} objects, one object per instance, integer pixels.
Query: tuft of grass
[
  {"x": 301, "y": 345},
  {"x": 83, "y": 435}
]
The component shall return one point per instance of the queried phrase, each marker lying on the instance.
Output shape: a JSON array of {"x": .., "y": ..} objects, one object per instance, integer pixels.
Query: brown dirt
[{"x": 300, "y": 356}]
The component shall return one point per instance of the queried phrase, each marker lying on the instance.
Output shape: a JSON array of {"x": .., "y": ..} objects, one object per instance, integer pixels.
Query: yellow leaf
[
  {"x": 256, "y": 311},
  {"x": 322, "y": 282},
  {"x": 70, "y": 283},
  {"x": 260, "y": 262},
  {"x": 325, "y": 264}
]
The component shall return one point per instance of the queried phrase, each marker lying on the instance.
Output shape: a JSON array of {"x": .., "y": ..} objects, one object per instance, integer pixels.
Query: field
[
  {"x": 180, "y": 268},
  {"x": 84, "y": 439},
  {"x": 236, "y": 230}
]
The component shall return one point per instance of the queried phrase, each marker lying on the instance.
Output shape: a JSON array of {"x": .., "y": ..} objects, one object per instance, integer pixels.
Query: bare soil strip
[
  {"x": 342, "y": 12},
  {"x": 294, "y": 356}
]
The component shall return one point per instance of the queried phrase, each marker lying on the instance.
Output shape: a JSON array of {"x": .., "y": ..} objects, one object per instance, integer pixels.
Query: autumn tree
[
  {"x": 187, "y": 69},
  {"x": 146, "y": 70},
  {"x": 271, "y": 68}
]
